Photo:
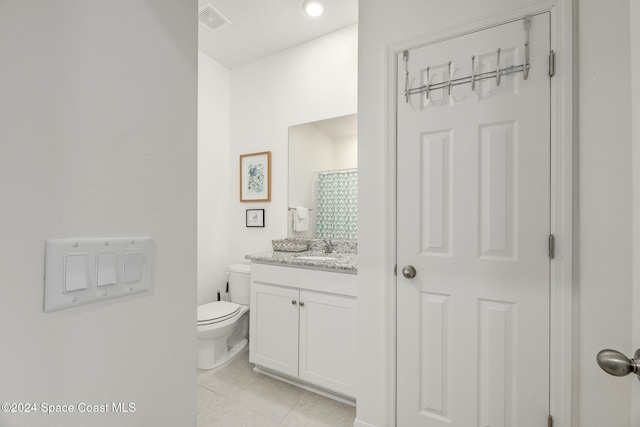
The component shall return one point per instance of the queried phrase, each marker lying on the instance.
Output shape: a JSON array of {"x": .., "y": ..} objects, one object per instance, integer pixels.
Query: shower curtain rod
[{"x": 338, "y": 170}]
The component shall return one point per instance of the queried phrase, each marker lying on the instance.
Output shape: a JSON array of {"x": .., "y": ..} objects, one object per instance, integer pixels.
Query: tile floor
[{"x": 233, "y": 395}]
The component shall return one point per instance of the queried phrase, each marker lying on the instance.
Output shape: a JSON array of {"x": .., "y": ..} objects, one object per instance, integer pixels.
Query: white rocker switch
[
  {"x": 75, "y": 272},
  {"x": 106, "y": 264},
  {"x": 132, "y": 267}
]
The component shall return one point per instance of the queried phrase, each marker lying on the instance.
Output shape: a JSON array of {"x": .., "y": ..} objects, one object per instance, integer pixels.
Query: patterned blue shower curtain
[{"x": 337, "y": 205}]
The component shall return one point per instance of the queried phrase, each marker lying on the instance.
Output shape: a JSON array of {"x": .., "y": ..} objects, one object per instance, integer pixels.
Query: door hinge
[
  {"x": 552, "y": 246},
  {"x": 552, "y": 63},
  {"x": 550, "y": 421}
]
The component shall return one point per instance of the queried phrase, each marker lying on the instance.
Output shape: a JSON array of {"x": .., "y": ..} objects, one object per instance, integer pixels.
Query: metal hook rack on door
[{"x": 473, "y": 78}]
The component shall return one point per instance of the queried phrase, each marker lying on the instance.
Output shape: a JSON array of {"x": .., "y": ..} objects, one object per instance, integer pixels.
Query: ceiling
[{"x": 260, "y": 28}]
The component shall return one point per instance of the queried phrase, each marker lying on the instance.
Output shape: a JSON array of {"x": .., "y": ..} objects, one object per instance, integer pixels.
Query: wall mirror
[{"x": 323, "y": 179}]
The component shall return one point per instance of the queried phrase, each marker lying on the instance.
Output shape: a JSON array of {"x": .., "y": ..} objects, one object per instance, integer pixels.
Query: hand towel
[
  {"x": 303, "y": 213},
  {"x": 300, "y": 219}
]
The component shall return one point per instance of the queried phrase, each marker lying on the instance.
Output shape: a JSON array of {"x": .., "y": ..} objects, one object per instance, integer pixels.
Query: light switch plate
[{"x": 81, "y": 271}]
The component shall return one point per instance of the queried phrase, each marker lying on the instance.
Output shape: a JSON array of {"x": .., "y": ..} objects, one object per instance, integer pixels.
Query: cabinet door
[
  {"x": 328, "y": 341},
  {"x": 274, "y": 328}
]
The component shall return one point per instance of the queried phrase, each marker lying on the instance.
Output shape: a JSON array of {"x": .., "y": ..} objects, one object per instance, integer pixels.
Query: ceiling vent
[{"x": 211, "y": 18}]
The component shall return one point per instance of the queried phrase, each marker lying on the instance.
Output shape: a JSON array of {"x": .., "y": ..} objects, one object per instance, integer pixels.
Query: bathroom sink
[{"x": 316, "y": 258}]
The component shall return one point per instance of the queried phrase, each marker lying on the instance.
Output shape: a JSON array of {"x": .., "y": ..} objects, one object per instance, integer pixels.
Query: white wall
[
  {"x": 314, "y": 81},
  {"x": 310, "y": 150},
  {"x": 603, "y": 238},
  {"x": 604, "y": 207},
  {"x": 634, "y": 14},
  {"x": 98, "y": 138},
  {"x": 213, "y": 177},
  {"x": 345, "y": 152}
]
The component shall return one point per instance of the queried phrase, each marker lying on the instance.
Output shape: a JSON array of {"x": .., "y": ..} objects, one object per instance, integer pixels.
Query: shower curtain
[{"x": 337, "y": 205}]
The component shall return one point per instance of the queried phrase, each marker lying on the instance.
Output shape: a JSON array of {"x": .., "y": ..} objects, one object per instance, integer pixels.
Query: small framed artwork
[
  {"x": 255, "y": 177},
  {"x": 255, "y": 217}
]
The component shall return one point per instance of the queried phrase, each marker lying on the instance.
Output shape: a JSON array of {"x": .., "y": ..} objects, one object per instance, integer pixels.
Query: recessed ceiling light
[{"x": 313, "y": 7}]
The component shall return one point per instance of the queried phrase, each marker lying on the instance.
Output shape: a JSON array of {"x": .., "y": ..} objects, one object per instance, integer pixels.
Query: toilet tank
[{"x": 239, "y": 283}]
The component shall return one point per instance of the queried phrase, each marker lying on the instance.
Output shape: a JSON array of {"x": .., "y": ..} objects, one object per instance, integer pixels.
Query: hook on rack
[
  {"x": 526, "y": 61},
  {"x": 498, "y": 68},
  {"x": 405, "y": 59},
  {"x": 473, "y": 72},
  {"x": 527, "y": 65},
  {"x": 428, "y": 84}
]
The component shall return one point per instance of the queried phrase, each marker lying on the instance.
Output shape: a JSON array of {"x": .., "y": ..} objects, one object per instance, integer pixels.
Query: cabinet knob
[
  {"x": 294, "y": 302},
  {"x": 301, "y": 303}
]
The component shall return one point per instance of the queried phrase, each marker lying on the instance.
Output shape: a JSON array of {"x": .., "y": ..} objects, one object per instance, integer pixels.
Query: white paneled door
[{"x": 473, "y": 219}]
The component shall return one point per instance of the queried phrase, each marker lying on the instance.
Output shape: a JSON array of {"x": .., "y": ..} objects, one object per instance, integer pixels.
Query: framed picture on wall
[
  {"x": 255, "y": 217},
  {"x": 255, "y": 177}
]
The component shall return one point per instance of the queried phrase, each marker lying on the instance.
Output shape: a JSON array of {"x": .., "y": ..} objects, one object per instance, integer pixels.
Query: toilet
[{"x": 223, "y": 326}]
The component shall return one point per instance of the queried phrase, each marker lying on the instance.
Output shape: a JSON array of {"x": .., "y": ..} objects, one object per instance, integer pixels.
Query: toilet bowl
[{"x": 223, "y": 326}]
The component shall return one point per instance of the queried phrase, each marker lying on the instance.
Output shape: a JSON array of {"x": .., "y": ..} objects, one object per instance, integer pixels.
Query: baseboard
[
  {"x": 307, "y": 386},
  {"x": 358, "y": 423}
]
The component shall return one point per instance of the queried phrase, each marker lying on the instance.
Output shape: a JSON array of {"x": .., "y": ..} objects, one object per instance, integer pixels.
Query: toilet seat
[{"x": 215, "y": 312}]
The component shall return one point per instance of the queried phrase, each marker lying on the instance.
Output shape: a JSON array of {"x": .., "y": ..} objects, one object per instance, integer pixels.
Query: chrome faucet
[{"x": 328, "y": 247}]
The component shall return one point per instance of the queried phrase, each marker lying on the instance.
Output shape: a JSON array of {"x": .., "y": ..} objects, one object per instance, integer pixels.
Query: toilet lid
[{"x": 217, "y": 311}]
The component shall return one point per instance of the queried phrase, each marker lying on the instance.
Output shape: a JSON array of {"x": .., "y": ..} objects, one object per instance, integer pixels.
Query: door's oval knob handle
[
  {"x": 409, "y": 271},
  {"x": 294, "y": 302},
  {"x": 615, "y": 363},
  {"x": 301, "y": 303}
]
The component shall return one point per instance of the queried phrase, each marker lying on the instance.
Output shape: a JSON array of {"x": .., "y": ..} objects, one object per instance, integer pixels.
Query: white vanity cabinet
[{"x": 303, "y": 325}]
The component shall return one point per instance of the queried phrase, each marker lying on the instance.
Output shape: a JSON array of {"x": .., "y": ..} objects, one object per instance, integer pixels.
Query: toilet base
[
  {"x": 220, "y": 342},
  {"x": 207, "y": 359}
]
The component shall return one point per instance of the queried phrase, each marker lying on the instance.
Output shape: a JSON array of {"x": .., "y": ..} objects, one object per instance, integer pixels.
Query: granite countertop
[{"x": 338, "y": 262}]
